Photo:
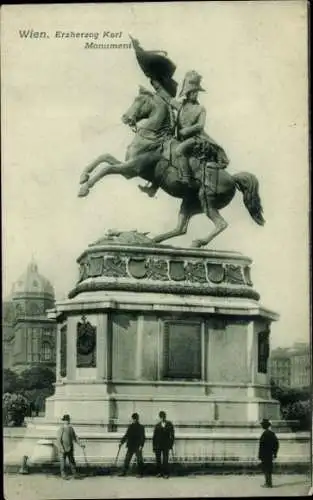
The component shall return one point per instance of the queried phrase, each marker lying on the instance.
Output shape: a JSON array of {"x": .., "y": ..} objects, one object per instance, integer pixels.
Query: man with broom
[{"x": 65, "y": 441}]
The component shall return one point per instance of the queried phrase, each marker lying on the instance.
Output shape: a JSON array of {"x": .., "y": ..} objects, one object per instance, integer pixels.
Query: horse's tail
[{"x": 248, "y": 184}]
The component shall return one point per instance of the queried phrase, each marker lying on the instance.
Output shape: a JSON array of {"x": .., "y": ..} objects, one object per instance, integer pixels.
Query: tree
[
  {"x": 14, "y": 409},
  {"x": 37, "y": 377},
  {"x": 300, "y": 412},
  {"x": 11, "y": 381},
  {"x": 294, "y": 405}
]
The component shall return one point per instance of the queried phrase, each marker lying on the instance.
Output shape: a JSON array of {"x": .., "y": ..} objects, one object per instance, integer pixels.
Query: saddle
[
  {"x": 205, "y": 149},
  {"x": 205, "y": 160}
]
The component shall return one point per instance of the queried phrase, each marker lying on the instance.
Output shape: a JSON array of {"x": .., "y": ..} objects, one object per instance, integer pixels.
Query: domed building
[{"x": 29, "y": 337}]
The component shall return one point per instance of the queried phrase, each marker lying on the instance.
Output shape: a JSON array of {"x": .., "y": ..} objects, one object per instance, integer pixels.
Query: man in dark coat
[
  {"x": 268, "y": 450},
  {"x": 163, "y": 441},
  {"x": 135, "y": 440}
]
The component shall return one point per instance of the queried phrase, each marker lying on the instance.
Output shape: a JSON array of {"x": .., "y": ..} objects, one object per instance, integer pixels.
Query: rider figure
[{"x": 190, "y": 123}]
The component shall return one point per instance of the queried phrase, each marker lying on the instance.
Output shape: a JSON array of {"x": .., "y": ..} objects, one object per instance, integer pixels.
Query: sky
[{"x": 62, "y": 106}]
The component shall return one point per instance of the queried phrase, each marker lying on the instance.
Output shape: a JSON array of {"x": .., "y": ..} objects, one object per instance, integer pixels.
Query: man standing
[
  {"x": 268, "y": 450},
  {"x": 163, "y": 441},
  {"x": 135, "y": 440},
  {"x": 65, "y": 442}
]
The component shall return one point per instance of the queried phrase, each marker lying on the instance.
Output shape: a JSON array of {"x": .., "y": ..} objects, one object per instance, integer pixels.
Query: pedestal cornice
[{"x": 121, "y": 264}]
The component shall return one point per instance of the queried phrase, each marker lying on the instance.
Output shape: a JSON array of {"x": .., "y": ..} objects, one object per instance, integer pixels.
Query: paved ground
[{"x": 44, "y": 487}]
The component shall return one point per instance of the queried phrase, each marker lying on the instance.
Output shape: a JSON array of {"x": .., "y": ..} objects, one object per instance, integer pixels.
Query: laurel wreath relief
[{"x": 86, "y": 338}]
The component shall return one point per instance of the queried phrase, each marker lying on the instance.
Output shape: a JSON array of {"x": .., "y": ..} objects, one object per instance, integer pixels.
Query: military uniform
[
  {"x": 191, "y": 116},
  {"x": 190, "y": 132}
]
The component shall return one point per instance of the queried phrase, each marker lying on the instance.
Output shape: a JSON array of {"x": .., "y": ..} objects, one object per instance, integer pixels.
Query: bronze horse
[{"x": 145, "y": 159}]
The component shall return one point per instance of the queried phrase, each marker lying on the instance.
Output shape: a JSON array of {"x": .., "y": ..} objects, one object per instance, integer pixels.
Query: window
[
  {"x": 18, "y": 310},
  {"x": 182, "y": 350},
  {"x": 46, "y": 352},
  {"x": 33, "y": 309},
  {"x": 33, "y": 339}
]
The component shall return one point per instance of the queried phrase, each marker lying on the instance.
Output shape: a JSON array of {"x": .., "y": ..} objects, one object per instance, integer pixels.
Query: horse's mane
[{"x": 144, "y": 91}]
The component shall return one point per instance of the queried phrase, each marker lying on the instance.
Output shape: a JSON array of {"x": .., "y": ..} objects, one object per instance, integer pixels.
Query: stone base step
[
  {"x": 177, "y": 469},
  {"x": 278, "y": 426}
]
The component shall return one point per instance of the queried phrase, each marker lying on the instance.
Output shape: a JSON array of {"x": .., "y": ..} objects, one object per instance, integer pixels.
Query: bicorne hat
[
  {"x": 157, "y": 66},
  {"x": 192, "y": 81}
]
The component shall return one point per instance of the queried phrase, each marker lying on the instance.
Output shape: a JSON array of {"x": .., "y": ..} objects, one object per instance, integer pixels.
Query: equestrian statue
[{"x": 172, "y": 151}]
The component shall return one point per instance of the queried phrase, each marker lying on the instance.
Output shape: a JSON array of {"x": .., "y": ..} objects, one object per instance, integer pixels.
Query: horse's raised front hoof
[
  {"x": 197, "y": 244},
  {"x": 84, "y": 190},
  {"x": 83, "y": 178}
]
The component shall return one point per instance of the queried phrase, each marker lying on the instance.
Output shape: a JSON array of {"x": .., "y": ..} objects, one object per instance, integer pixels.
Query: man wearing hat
[
  {"x": 135, "y": 440},
  {"x": 190, "y": 121},
  {"x": 65, "y": 442},
  {"x": 268, "y": 450},
  {"x": 190, "y": 124},
  {"x": 162, "y": 442}
]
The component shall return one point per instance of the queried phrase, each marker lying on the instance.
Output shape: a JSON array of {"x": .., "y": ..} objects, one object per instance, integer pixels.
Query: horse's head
[{"x": 140, "y": 109}]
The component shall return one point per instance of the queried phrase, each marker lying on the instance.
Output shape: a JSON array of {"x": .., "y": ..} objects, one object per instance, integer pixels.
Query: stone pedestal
[{"x": 150, "y": 328}]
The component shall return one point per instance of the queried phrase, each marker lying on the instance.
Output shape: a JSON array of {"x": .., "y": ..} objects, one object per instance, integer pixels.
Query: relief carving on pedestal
[
  {"x": 115, "y": 267},
  {"x": 63, "y": 351},
  {"x": 83, "y": 270},
  {"x": 163, "y": 270},
  {"x": 234, "y": 274},
  {"x": 247, "y": 275},
  {"x": 216, "y": 273},
  {"x": 95, "y": 266},
  {"x": 86, "y": 344},
  {"x": 137, "y": 267},
  {"x": 263, "y": 350},
  {"x": 158, "y": 270},
  {"x": 150, "y": 268},
  {"x": 177, "y": 270},
  {"x": 195, "y": 272}
]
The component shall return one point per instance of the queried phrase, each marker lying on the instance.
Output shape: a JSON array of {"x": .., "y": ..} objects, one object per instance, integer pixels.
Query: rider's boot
[{"x": 183, "y": 171}]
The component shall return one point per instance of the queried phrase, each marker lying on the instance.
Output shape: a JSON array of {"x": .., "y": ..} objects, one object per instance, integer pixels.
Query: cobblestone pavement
[{"x": 44, "y": 487}]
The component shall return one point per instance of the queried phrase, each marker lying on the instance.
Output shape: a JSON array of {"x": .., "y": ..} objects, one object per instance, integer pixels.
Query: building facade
[
  {"x": 29, "y": 337},
  {"x": 290, "y": 367},
  {"x": 300, "y": 365},
  {"x": 7, "y": 332},
  {"x": 280, "y": 367}
]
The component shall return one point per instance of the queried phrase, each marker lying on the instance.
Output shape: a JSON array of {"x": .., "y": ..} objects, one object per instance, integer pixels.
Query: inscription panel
[{"x": 182, "y": 350}]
